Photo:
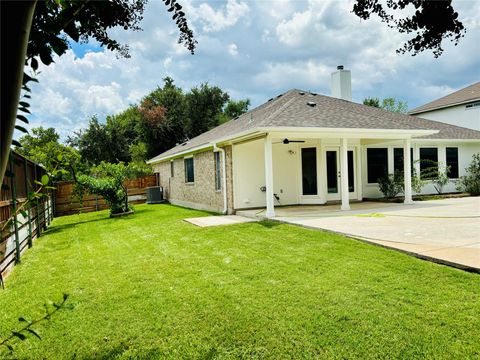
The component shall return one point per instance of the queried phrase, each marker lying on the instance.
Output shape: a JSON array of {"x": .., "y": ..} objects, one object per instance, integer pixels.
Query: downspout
[{"x": 224, "y": 177}]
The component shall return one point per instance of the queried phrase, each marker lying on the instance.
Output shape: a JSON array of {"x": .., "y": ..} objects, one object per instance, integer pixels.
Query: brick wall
[{"x": 201, "y": 194}]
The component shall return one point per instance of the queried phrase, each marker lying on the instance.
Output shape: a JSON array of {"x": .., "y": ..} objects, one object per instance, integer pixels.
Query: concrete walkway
[{"x": 445, "y": 231}]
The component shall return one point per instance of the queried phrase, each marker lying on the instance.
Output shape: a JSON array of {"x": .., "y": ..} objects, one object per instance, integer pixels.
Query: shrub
[
  {"x": 108, "y": 182},
  {"x": 391, "y": 185},
  {"x": 471, "y": 182},
  {"x": 438, "y": 175}
]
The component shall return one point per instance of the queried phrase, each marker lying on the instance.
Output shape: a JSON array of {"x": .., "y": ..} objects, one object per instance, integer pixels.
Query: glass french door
[{"x": 332, "y": 161}]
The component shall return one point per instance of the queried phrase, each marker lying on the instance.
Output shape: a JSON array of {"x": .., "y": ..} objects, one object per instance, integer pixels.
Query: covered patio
[{"x": 301, "y": 166}]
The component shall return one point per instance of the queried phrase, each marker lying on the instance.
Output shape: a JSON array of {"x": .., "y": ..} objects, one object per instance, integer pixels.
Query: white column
[
  {"x": 407, "y": 171},
  {"x": 359, "y": 173},
  {"x": 321, "y": 172},
  {"x": 344, "y": 174},
  {"x": 269, "y": 177}
]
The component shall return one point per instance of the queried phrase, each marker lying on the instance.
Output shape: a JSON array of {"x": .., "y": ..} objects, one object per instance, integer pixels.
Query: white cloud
[
  {"x": 284, "y": 44},
  {"x": 233, "y": 49},
  {"x": 216, "y": 20}
]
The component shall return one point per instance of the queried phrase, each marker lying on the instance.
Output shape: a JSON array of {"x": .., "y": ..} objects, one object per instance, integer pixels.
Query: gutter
[{"x": 224, "y": 177}]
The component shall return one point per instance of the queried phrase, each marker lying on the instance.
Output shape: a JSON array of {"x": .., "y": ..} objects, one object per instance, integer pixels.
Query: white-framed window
[
  {"x": 189, "y": 170},
  {"x": 218, "y": 173},
  {"x": 377, "y": 164},
  {"x": 428, "y": 161},
  {"x": 172, "y": 169},
  {"x": 451, "y": 155}
]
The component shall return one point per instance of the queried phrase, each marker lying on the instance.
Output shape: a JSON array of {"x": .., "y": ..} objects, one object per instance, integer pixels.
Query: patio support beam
[
  {"x": 407, "y": 171},
  {"x": 270, "y": 213},
  {"x": 344, "y": 174}
]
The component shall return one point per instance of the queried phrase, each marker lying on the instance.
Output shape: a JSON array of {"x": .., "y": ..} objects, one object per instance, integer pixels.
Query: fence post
[
  {"x": 37, "y": 207},
  {"x": 14, "y": 206},
  {"x": 28, "y": 206}
]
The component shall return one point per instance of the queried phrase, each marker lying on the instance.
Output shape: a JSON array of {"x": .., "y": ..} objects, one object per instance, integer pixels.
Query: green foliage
[
  {"x": 107, "y": 181},
  {"x": 234, "y": 109},
  {"x": 164, "y": 118},
  {"x": 391, "y": 185},
  {"x": 372, "y": 101},
  {"x": 138, "y": 167},
  {"x": 390, "y": 104},
  {"x": 43, "y": 148},
  {"x": 437, "y": 174},
  {"x": 422, "y": 20},
  {"x": 204, "y": 108},
  {"x": 471, "y": 181}
]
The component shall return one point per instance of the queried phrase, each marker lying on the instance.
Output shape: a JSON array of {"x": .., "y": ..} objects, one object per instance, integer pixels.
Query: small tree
[
  {"x": 437, "y": 174},
  {"x": 471, "y": 181},
  {"x": 107, "y": 180}
]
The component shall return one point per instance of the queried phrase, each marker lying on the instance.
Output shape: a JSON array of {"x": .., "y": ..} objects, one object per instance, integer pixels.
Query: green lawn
[{"x": 153, "y": 286}]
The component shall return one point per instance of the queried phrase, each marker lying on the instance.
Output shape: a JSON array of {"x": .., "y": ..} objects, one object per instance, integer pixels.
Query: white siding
[{"x": 456, "y": 115}]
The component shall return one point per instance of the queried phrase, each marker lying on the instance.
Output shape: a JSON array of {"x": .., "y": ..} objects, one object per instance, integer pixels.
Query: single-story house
[
  {"x": 461, "y": 108},
  {"x": 305, "y": 148}
]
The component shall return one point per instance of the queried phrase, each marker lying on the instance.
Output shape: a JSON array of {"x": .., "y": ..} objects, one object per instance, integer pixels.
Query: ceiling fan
[{"x": 288, "y": 141}]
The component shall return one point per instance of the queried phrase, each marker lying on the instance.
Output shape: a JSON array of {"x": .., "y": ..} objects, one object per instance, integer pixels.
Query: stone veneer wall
[{"x": 201, "y": 194}]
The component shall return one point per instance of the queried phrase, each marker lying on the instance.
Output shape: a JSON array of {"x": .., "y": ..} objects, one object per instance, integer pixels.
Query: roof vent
[
  {"x": 279, "y": 96},
  {"x": 270, "y": 99},
  {"x": 311, "y": 104},
  {"x": 301, "y": 93},
  {"x": 340, "y": 67}
]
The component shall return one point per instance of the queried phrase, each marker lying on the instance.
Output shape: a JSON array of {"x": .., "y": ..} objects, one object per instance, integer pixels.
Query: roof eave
[{"x": 415, "y": 111}]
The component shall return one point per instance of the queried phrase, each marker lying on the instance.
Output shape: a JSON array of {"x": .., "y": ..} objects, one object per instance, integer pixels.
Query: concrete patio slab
[
  {"x": 446, "y": 231},
  {"x": 207, "y": 221}
]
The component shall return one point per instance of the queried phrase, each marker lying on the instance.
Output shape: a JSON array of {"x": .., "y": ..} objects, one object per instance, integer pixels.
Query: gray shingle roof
[
  {"x": 291, "y": 109},
  {"x": 467, "y": 94}
]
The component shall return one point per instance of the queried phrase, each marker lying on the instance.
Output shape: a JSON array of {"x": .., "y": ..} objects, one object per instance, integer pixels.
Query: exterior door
[{"x": 332, "y": 161}]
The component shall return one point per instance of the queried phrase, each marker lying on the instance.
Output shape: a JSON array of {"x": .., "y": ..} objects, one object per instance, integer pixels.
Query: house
[
  {"x": 304, "y": 148},
  {"x": 461, "y": 108}
]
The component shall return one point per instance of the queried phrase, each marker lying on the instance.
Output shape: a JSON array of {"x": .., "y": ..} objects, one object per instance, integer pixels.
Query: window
[
  {"x": 172, "y": 172},
  {"x": 218, "y": 182},
  {"x": 428, "y": 162},
  {"x": 452, "y": 162},
  {"x": 398, "y": 159},
  {"x": 189, "y": 173},
  {"x": 309, "y": 171},
  {"x": 377, "y": 164}
]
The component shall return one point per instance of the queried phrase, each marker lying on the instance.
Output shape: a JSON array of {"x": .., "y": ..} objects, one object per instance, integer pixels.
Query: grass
[{"x": 152, "y": 286}]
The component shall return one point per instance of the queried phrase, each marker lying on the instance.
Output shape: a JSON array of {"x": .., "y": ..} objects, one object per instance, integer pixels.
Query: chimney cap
[{"x": 340, "y": 67}]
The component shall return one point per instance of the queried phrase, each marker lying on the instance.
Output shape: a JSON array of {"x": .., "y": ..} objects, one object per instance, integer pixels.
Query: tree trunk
[{"x": 16, "y": 22}]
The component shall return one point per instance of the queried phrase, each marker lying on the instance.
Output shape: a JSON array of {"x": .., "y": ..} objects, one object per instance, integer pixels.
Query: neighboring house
[
  {"x": 304, "y": 148},
  {"x": 461, "y": 108}
]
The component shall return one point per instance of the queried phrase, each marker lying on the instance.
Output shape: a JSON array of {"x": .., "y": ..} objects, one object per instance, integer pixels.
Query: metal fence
[{"x": 20, "y": 235}]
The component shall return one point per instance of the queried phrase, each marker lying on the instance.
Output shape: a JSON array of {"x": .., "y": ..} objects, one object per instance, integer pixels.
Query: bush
[
  {"x": 108, "y": 182},
  {"x": 471, "y": 182},
  {"x": 391, "y": 185}
]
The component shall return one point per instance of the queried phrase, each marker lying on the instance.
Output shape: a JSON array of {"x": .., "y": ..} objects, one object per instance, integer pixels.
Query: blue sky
[{"x": 255, "y": 50}]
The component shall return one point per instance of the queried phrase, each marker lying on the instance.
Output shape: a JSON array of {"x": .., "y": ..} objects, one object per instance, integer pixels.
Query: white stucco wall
[
  {"x": 249, "y": 174},
  {"x": 456, "y": 115}
]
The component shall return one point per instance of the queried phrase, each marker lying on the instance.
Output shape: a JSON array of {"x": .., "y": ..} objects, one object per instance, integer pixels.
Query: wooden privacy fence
[
  {"x": 67, "y": 203},
  {"x": 19, "y": 236}
]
